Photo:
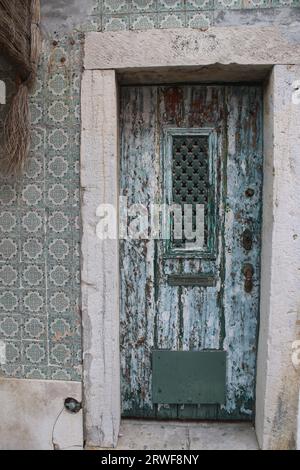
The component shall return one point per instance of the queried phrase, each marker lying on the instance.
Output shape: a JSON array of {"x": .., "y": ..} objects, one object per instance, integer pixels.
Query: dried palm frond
[
  {"x": 17, "y": 132},
  {"x": 20, "y": 41}
]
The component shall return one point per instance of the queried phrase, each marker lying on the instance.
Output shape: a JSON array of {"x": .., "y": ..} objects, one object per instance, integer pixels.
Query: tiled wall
[
  {"x": 112, "y": 15},
  {"x": 40, "y": 213},
  {"x": 40, "y": 229}
]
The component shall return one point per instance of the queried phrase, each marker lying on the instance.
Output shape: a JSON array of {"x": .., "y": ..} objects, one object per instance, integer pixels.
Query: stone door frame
[{"x": 239, "y": 54}]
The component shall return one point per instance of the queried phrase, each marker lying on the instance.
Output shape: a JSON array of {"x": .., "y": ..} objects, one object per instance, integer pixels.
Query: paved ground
[{"x": 158, "y": 435}]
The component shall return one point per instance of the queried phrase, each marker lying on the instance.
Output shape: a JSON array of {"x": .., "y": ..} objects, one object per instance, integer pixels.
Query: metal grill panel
[{"x": 190, "y": 177}]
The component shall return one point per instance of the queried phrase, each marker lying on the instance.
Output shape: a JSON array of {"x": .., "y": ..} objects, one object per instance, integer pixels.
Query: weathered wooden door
[{"x": 197, "y": 145}]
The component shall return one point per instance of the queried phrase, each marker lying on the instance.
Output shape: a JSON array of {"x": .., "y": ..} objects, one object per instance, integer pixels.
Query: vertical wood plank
[
  {"x": 244, "y": 170},
  {"x": 139, "y": 185}
]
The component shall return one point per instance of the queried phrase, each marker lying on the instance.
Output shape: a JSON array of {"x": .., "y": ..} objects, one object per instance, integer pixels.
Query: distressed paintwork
[{"x": 156, "y": 315}]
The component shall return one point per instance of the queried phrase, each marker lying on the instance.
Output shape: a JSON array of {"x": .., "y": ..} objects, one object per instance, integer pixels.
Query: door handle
[{"x": 248, "y": 272}]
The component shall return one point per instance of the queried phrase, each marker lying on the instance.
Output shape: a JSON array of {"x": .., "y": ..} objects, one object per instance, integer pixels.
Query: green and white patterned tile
[
  {"x": 34, "y": 167},
  {"x": 9, "y": 275},
  {"x": 10, "y": 327},
  {"x": 60, "y": 353},
  {"x": 34, "y": 353},
  {"x": 58, "y": 55},
  {"x": 38, "y": 88},
  {"x": 32, "y": 250},
  {"x": 59, "y": 276},
  {"x": 57, "y": 139},
  {"x": 58, "y": 166},
  {"x": 115, "y": 22},
  {"x": 199, "y": 5},
  {"x": 115, "y": 6},
  {"x": 59, "y": 250},
  {"x": 58, "y": 112},
  {"x": 171, "y": 20},
  {"x": 37, "y": 220},
  {"x": 167, "y": 5},
  {"x": 74, "y": 142},
  {"x": 33, "y": 276},
  {"x": 74, "y": 111},
  {"x": 60, "y": 302},
  {"x": 37, "y": 112},
  {"x": 58, "y": 85},
  {"x": 9, "y": 301},
  {"x": 138, "y": 6},
  {"x": 97, "y": 7},
  {"x": 13, "y": 352},
  {"x": 33, "y": 301},
  {"x": 8, "y": 195},
  {"x": 36, "y": 372},
  {"x": 77, "y": 373},
  {"x": 58, "y": 194},
  {"x": 228, "y": 4},
  {"x": 35, "y": 328},
  {"x": 59, "y": 223},
  {"x": 33, "y": 222},
  {"x": 9, "y": 249},
  {"x": 11, "y": 371},
  {"x": 143, "y": 21},
  {"x": 76, "y": 50},
  {"x": 200, "y": 20},
  {"x": 32, "y": 194},
  {"x": 9, "y": 223},
  {"x": 256, "y": 4},
  {"x": 285, "y": 3},
  {"x": 61, "y": 373},
  {"x": 38, "y": 139},
  {"x": 75, "y": 84},
  {"x": 92, "y": 24},
  {"x": 65, "y": 328}
]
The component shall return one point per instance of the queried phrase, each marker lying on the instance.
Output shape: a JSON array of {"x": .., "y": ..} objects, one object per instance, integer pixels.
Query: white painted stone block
[
  {"x": 100, "y": 260},
  {"x": 32, "y": 415},
  {"x": 188, "y": 47},
  {"x": 277, "y": 378}
]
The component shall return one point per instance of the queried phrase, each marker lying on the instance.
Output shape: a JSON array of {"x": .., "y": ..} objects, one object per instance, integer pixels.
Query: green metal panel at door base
[
  {"x": 199, "y": 145},
  {"x": 188, "y": 377}
]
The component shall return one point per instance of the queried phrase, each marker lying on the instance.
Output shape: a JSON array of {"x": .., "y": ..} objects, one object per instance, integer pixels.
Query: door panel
[{"x": 162, "y": 306}]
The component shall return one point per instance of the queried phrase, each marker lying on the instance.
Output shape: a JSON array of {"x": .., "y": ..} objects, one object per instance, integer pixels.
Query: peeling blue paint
[{"x": 156, "y": 315}]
